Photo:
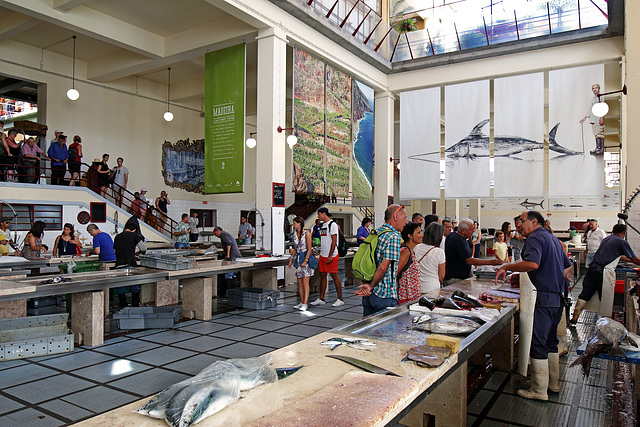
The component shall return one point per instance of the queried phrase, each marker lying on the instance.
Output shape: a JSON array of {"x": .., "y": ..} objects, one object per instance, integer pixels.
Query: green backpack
[{"x": 364, "y": 261}]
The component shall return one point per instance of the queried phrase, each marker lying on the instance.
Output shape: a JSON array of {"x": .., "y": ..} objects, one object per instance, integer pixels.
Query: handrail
[{"x": 25, "y": 171}]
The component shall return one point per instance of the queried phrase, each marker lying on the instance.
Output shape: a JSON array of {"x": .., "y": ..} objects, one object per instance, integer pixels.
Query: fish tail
[
  {"x": 552, "y": 135},
  {"x": 618, "y": 352},
  {"x": 541, "y": 206},
  {"x": 585, "y": 361}
]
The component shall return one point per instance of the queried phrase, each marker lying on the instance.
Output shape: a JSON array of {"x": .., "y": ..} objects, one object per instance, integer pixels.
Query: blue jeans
[
  {"x": 373, "y": 304},
  {"x": 180, "y": 245},
  {"x": 247, "y": 240},
  {"x": 589, "y": 258}
]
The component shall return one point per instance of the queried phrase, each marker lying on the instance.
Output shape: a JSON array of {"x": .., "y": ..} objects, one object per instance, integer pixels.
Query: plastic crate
[
  {"x": 253, "y": 298},
  {"x": 34, "y": 336},
  {"x": 148, "y": 317},
  {"x": 81, "y": 266},
  {"x": 165, "y": 262}
]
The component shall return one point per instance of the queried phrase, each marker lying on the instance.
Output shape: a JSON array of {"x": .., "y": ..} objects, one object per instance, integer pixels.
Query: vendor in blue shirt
[
  {"x": 102, "y": 245},
  {"x": 458, "y": 254},
  {"x": 610, "y": 248},
  {"x": 363, "y": 230},
  {"x": 548, "y": 268}
]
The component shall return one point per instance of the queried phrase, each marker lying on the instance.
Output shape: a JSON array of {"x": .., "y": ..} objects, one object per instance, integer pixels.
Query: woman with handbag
[
  {"x": 431, "y": 258},
  {"x": 408, "y": 266},
  {"x": 66, "y": 243},
  {"x": 303, "y": 260}
]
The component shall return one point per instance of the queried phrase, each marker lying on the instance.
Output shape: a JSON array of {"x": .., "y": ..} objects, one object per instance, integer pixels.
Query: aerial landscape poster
[
  {"x": 338, "y": 132},
  {"x": 308, "y": 123},
  {"x": 362, "y": 165}
]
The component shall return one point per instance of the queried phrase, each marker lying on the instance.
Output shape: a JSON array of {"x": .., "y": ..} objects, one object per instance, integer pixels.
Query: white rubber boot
[
  {"x": 577, "y": 310},
  {"x": 554, "y": 372},
  {"x": 539, "y": 369}
]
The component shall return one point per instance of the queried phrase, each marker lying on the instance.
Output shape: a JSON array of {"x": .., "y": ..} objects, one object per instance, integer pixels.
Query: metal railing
[
  {"x": 30, "y": 171},
  {"x": 358, "y": 20}
]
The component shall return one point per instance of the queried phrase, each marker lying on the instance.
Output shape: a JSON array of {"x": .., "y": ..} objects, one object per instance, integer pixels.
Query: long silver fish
[
  {"x": 205, "y": 402},
  {"x": 476, "y": 144},
  {"x": 357, "y": 343}
]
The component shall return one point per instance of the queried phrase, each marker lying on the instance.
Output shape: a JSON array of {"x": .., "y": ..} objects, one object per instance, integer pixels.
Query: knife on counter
[{"x": 365, "y": 366}]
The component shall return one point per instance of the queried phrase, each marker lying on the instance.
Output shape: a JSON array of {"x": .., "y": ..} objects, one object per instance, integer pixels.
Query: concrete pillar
[
  {"x": 197, "y": 296},
  {"x": 87, "y": 319},
  {"x": 265, "y": 279},
  {"x": 631, "y": 103},
  {"x": 14, "y": 308},
  {"x": 383, "y": 143},
  {"x": 271, "y": 148},
  {"x": 160, "y": 293},
  {"x": 452, "y": 209}
]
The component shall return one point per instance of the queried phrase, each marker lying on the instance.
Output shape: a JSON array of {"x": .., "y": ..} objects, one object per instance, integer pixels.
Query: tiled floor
[{"x": 62, "y": 389}]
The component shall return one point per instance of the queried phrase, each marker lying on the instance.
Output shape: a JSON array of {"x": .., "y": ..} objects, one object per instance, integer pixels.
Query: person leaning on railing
[{"x": 30, "y": 161}]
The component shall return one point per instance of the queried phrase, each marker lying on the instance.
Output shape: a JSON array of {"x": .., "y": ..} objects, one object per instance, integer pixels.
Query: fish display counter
[{"x": 331, "y": 388}]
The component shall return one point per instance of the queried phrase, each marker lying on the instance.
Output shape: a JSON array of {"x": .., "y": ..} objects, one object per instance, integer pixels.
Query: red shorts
[{"x": 328, "y": 268}]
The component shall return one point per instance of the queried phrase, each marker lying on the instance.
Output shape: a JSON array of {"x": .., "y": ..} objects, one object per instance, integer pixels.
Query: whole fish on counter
[
  {"x": 448, "y": 325},
  {"x": 427, "y": 356},
  {"x": 357, "y": 343},
  {"x": 608, "y": 336}
]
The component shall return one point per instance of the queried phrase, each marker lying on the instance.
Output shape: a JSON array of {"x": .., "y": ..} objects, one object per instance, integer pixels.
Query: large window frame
[{"x": 28, "y": 214}]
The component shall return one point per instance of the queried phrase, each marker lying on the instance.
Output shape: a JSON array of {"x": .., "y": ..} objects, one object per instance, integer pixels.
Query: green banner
[{"x": 224, "y": 105}]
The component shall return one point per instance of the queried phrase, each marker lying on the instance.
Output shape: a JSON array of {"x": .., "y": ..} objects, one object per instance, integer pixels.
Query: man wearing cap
[
  {"x": 144, "y": 203},
  {"x": 328, "y": 257},
  {"x": 5, "y": 233},
  {"x": 593, "y": 237},
  {"x": 59, "y": 155}
]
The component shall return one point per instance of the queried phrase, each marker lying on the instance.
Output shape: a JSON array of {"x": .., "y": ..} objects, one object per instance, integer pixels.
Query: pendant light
[
  {"x": 168, "y": 116},
  {"x": 72, "y": 93}
]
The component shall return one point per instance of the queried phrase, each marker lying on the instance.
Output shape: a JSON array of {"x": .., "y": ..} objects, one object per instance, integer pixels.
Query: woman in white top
[{"x": 431, "y": 258}]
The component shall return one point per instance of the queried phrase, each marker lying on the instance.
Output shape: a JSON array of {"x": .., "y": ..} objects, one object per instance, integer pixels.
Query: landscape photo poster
[
  {"x": 224, "y": 103},
  {"x": 466, "y": 112},
  {"x": 308, "y": 123},
  {"x": 420, "y": 144},
  {"x": 518, "y": 141},
  {"x": 183, "y": 165},
  {"x": 338, "y": 132},
  {"x": 362, "y": 165},
  {"x": 573, "y": 171}
]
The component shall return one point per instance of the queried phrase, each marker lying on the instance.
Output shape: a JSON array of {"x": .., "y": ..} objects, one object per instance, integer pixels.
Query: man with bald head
[
  {"x": 382, "y": 292},
  {"x": 458, "y": 254}
]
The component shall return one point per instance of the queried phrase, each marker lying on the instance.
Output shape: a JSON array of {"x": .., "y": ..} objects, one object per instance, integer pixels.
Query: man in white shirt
[
  {"x": 328, "y": 263},
  {"x": 593, "y": 237}
]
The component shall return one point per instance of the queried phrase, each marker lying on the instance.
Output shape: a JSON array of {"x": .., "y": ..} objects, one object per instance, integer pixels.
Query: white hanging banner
[
  {"x": 420, "y": 144},
  {"x": 573, "y": 171},
  {"x": 518, "y": 141},
  {"x": 466, "y": 112}
]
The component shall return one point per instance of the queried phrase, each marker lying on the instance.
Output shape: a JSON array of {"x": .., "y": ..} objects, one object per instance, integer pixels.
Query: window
[
  {"x": 28, "y": 214},
  {"x": 206, "y": 217},
  {"x": 611, "y": 169}
]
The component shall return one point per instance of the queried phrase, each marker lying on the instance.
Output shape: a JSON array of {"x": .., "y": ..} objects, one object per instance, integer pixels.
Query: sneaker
[
  {"x": 297, "y": 306},
  {"x": 303, "y": 307},
  {"x": 318, "y": 302},
  {"x": 338, "y": 303}
]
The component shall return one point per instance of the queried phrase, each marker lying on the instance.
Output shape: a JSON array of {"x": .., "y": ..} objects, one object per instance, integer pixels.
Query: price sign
[{"x": 278, "y": 195}]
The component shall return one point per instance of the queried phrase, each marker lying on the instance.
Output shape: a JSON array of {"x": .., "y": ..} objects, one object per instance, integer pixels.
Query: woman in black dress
[{"x": 104, "y": 174}]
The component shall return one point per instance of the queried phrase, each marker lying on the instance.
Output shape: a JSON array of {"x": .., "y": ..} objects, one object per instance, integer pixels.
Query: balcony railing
[{"x": 360, "y": 22}]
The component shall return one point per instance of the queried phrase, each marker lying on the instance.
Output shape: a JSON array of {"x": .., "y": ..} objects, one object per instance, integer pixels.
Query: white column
[
  {"x": 383, "y": 168},
  {"x": 271, "y": 151}
]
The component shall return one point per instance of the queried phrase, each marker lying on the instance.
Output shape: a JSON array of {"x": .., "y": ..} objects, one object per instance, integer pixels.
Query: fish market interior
[{"x": 319, "y": 212}]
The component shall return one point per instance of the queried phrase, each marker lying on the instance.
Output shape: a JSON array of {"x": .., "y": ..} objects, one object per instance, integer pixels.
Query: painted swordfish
[{"x": 476, "y": 144}]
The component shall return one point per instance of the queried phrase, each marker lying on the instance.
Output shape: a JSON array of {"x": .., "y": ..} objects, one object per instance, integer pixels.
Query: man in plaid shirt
[{"x": 382, "y": 292}]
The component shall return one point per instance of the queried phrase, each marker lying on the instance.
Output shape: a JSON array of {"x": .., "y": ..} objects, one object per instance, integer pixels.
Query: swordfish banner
[
  {"x": 572, "y": 170},
  {"x": 420, "y": 144},
  {"x": 224, "y": 104},
  {"x": 466, "y": 112},
  {"x": 518, "y": 142}
]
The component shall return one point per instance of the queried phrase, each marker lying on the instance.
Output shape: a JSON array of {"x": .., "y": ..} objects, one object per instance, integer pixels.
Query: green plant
[{"x": 405, "y": 26}]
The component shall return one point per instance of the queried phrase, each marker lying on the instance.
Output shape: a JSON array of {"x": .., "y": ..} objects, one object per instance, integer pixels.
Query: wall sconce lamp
[
  {"x": 168, "y": 115},
  {"x": 72, "y": 93},
  {"x": 291, "y": 139},
  {"x": 601, "y": 108},
  {"x": 251, "y": 141}
]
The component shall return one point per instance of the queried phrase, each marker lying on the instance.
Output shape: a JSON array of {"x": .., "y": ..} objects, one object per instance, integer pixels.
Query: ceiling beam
[
  {"x": 67, "y": 5},
  {"x": 92, "y": 23},
  {"x": 9, "y": 84},
  {"x": 15, "y": 24}
]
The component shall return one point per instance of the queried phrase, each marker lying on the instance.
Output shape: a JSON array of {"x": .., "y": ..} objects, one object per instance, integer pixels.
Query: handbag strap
[{"x": 425, "y": 254}]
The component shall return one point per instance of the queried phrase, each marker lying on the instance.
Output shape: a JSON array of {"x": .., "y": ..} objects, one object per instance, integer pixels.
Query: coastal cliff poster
[
  {"x": 362, "y": 165},
  {"x": 224, "y": 104},
  {"x": 338, "y": 132},
  {"x": 308, "y": 123}
]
